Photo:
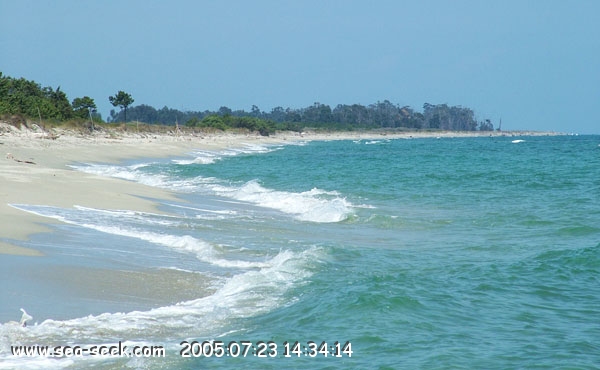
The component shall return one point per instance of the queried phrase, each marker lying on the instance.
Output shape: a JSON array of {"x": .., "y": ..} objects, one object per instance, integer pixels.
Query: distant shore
[{"x": 34, "y": 167}]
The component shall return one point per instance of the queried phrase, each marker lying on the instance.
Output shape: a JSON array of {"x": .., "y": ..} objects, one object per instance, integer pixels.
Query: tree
[
  {"x": 486, "y": 125},
  {"x": 255, "y": 111},
  {"x": 61, "y": 104},
  {"x": 317, "y": 114},
  {"x": 123, "y": 100},
  {"x": 214, "y": 121},
  {"x": 443, "y": 117},
  {"x": 83, "y": 107},
  {"x": 225, "y": 111},
  {"x": 193, "y": 122}
]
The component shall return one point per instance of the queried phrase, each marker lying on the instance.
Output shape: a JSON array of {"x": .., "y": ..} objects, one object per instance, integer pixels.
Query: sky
[{"x": 535, "y": 65}]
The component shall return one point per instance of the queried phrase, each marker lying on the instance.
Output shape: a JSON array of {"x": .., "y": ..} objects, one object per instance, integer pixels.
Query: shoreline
[{"x": 34, "y": 168}]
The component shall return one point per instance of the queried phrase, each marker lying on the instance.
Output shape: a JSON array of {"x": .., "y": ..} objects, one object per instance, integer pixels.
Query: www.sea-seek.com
[{"x": 116, "y": 350}]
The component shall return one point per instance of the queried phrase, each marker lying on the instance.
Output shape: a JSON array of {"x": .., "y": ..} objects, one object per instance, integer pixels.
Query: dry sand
[{"x": 34, "y": 169}]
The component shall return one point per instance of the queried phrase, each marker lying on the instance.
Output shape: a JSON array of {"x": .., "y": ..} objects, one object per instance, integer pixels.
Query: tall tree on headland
[
  {"x": 121, "y": 99},
  {"x": 83, "y": 106}
]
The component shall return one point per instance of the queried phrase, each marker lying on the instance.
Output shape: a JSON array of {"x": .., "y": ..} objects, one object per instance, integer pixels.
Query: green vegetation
[
  {"x": 382, "y": 115},
  {"x": 28, "y": 99},
  {"x": 262, "y": 126},
  {"x": 123, "y": 100},
  {"x": 83, "y": 107}
]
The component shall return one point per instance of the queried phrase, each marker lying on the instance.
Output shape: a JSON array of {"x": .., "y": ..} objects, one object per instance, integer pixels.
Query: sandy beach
[{"x": 34, "y": 168}]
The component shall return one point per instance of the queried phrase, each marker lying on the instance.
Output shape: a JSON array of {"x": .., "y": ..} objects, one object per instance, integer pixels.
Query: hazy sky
[{"x": 535, "y": 64}]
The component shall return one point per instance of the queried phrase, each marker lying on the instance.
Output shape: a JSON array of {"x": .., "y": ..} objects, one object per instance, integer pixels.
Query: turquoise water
[{"x": 426, "y": 253}]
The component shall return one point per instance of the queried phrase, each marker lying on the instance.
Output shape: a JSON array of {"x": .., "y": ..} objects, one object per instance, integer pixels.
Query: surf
[{"x": 314, "y": 205}]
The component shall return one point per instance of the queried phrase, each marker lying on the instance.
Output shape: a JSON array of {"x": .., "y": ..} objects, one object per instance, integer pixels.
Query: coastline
[{"x": 34, "y": 168}]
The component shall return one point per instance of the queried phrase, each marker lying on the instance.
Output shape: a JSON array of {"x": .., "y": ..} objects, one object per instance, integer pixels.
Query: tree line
[
  {"x": 19, "y": 96},
  {"x": 380, "y": 115},
  {"x": 31, "y": 100}
]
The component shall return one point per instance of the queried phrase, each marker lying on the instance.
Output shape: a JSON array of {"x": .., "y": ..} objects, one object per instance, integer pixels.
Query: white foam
[
  {"x": 130, "y": 173},
  {"x": 219, "y": 211},
  {"x": 148, "y": 218},
  {"x": 371, "y": 142},
  {"x": 251, "y": 293},
  {"x": 210, "y": 157},
  {"x": 315, "y": 205},
  {"x": 133, "y": 174},
  {"x": 203, "y": 250},
  {"x": 199, "y": 160},
  {"x": 206, "y": 158}
]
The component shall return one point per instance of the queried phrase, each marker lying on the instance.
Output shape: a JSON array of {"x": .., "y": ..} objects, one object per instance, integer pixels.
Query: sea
[{"x": 425, "y": 253}]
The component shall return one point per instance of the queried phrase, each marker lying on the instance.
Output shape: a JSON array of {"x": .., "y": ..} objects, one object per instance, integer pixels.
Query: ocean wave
[
  {"x": 147, "y": 218},
  {"x": 371, "y": 142},
  {"x": 315, "y": 205},
  {"x": 209, "y": 214},
  {"x": 252, "y": 288},
  {"x": 204, "y": 251},
  {"x": 133, "y": 173},
  {"x": 247, "y": 294},
  {"x": 209, "y": 157}
]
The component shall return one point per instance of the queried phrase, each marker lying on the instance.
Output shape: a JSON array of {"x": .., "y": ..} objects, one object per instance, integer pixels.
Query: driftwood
[{"x": 10, "y": 156}]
